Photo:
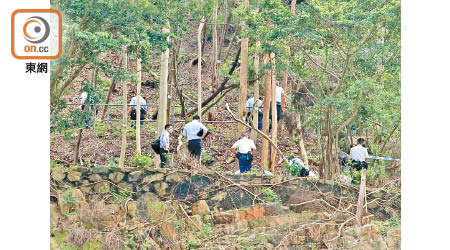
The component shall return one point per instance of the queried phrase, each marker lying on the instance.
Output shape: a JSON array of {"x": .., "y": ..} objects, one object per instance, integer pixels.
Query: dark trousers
[
  {"x": 133, "y": 117},
  {"x": 260, "y": 116},
  {"x": 163, "y": 157},
  {"x": 279, "y": 111},
  {"x": 195, "y": 147},
  {"x": 244, "y": 164}
]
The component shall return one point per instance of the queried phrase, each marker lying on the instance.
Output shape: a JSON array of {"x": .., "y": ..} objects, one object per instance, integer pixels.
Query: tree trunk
[
  {"x": 69, "y": 81},
  {"x": 72, "y": 47},
  {"x": 138, "y": 106},
  {"x": 221, "y": 86},
  {"x": 224, "y": 28},
  {"x": 255, "y": 112},
  {"x": 293, "y": 3},
  {"x": 361, "y": 198},
  {"x": 265, "y": 125},
  {"x": 123, "y": 146},
  {"x": 77, "y": 147},
  {"x": 164, "y": 73},
  {"x": 274, "y": 113},
  {"x": 243, "y": 77},
  {"x": 111, "y": 87},
  {"x": 301, "y": 141},
  {"x": 199, "y": 67}
]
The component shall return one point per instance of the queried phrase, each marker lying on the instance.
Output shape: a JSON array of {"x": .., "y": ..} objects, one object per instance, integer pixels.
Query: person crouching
[{"x": 243, "y": 149}]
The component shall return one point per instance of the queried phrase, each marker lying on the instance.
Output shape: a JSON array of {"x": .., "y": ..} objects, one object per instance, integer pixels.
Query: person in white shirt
[
  {"x": 191, "y": 132},
  {"x": 83, "y": 98},
  {"x": 164, "y": 144},
  {"x": 244, "y": 148},
  {"x": 132, "y": 110},
  {"x": 358, "y": 155},
  {"x": 281, "y": 101}
]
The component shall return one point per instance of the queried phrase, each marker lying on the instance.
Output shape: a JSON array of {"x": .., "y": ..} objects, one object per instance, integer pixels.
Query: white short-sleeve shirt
[
  {"x": 359, "y": 153},
  {"x": 244, "y": 145},
  {"x": 279, "y": 91}
]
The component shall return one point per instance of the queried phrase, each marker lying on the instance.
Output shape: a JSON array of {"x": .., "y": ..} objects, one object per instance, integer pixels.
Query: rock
[
  {"x": 55, "y": 213},
  {"x": 116, "y": 177},
  {"x": 95, "y": 177},
  {"x": 229, "y": 160},
  {"x": 197, "y": 220},
  {"x": 153, "y": 178},
  {"x": 223, "y": 218},
  {"x": 159, "y": 211},
  {"x": 81, "y": 169},
  {"x": 201, "y": 208},
  {"x": 100, "y": 170},
  {"x": 219, "y": 196},
  {"x": 160, "y": 170},
  {"x": 271, "y": 209},
  {"x": 175, "y": 177},
  {"x": 236, "y": 227},
  {"x": 85, "y": 188},
  {"x": 132, "y": 208},
  {"x": 249, "y": 213},
  {"x": 160, "y": 188},
  {"x": 58, "y": 174},
  {"x": 71, "y": 201},
  {"x": 102, "y": 187},
  {"x": 135, "y": 176},
  {"x": 73, "y": 175},
  {"x": 126, "y": 186}
]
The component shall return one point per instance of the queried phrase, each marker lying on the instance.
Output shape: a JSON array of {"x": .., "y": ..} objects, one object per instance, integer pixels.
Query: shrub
[
  {"x": 141, "y": 160},
  {"x": 270, "y": 196}
]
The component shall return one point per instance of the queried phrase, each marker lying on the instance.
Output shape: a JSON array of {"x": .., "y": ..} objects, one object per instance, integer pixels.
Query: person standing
[
  {"x": 249, "y": 108},
  {"x": 83, "y": 106},
  {"x": 243, "y": 149},
  {"x": 132, "y": 110},
  {"x": 281, "y": 101},
  {"x": 358, "y": 155},
  {"x": 195, "y": 131},
  {"x": 164, "y": 144}
]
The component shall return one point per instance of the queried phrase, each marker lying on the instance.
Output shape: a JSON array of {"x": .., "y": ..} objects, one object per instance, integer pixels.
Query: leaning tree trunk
[
  {"x": 255, "y": 112},
  {"x": 199, "y": 67},
  {"x": 273, "y": 152},
  {"x": 123, "y": 146},
  {"x": 138, "y": 106},
  {"x": 243, "y": 77},
  {"x": 265, "y": 125},
  {"x": 301, "y": 141},
  {"x": 164, "y": 73},
  {"x": 361, "y": 198}
]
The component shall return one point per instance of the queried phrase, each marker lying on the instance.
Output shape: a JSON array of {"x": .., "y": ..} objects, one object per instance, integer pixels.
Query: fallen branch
[{"x": 189, "y": 218}]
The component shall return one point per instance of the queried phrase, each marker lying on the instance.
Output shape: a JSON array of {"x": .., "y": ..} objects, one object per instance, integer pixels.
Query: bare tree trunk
[
  {"x": 72, "y": 47},
  {"x": 164, "y": 73},
  {"x": 199, "y": 67},
  {"x": 293, "y": 3},
  {"x": 265, "y": 125},
  {"x": 274, "y": 113},
  {"x": 301, "y": 141},
  {"x": 138, "y": 106},
  {"x": 123, "y": 146},
  {"x": 111, "y": 88},
  {"x": 361, "y": 198},
  {"x": 224, "y": 28},
  {"x": 77, "y": 147},
  {"x": 69, "y": 81},
  {"x": 243, "y": 77},
  {"x": 255, "y": 112}
]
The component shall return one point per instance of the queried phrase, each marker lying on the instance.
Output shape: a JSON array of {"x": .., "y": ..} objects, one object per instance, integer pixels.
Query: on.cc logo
[{"x": 37, "y": 24}]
